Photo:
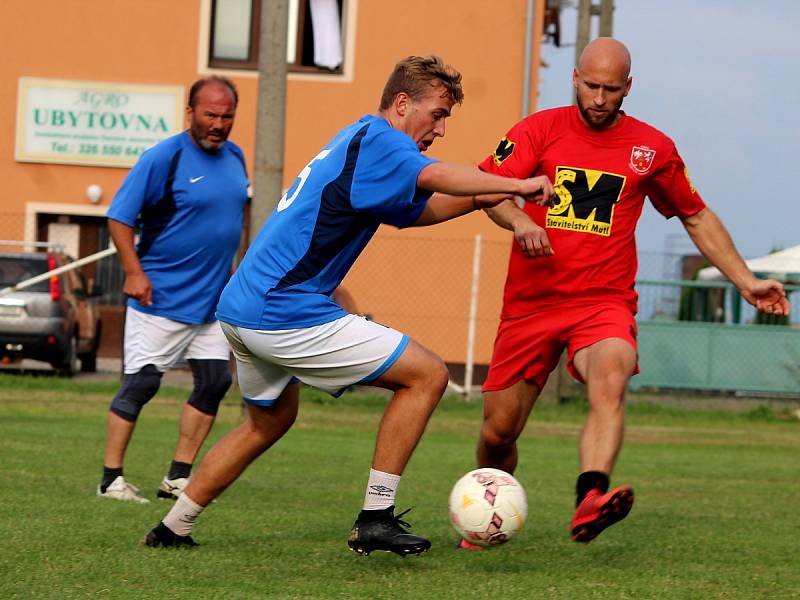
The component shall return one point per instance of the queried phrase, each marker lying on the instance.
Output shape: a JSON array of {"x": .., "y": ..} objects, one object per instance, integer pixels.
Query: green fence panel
[{"x": 718, "y": 356}]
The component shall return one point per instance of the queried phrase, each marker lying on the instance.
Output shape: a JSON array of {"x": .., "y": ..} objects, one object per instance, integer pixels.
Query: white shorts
[
  {"x": 164, "y": 343},
  {"x": 331, "y": 356}
]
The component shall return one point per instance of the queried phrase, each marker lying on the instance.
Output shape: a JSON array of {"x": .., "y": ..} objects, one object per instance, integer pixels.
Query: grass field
[{"x": 716, "y": 512}]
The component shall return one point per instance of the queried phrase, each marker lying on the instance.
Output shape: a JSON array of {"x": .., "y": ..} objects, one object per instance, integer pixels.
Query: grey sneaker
[
  {"x": 122, "y": 490},
  {"x": 172, "y": 488}
]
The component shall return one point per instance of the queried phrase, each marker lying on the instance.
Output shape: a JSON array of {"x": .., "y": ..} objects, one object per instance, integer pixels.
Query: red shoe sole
[
  {"x": 613, "y": 511},
  {"x": 466, "y": 545}
]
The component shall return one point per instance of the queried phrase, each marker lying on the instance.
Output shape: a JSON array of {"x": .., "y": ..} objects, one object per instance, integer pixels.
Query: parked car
[{"x": 55, "y": 320}]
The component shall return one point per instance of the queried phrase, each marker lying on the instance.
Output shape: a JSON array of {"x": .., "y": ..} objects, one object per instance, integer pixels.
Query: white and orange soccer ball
[{"x": 488, "y": 506}]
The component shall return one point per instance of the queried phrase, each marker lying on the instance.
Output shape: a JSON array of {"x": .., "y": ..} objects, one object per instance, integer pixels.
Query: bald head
[
  {"x": 606, "y": 53},
  {"x": 601, "y": 80}
]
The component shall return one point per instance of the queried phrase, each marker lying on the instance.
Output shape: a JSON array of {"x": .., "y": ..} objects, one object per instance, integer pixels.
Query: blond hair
[{"x": 415, "y": 75}]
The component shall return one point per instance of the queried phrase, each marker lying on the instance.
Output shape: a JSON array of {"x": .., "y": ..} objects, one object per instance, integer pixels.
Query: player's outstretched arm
[
  {"x": 443, "y": 207},
  {"x": 462, "y": 180},
  {"x": 460, "y": 189},
  {"x": 713, "y": 240}
]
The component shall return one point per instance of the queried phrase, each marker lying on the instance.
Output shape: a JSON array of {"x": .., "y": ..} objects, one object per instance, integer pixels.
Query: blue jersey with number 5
[{"x": 366, "y": 175}]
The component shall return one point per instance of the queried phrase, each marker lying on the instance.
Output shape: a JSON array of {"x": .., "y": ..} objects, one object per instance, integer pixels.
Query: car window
[{"x": 16, "y": 269}]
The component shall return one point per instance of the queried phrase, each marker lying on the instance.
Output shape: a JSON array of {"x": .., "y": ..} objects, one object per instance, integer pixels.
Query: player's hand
[
  {"x": 538, "y": 190},
  {"x": 137, "y": 286},
  {"x": 532, "y": 239},
  {"x": 768, "y": 296}
]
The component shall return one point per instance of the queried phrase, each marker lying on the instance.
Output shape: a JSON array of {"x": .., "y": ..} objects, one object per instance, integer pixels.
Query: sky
[{"x": 722, "y": 79}]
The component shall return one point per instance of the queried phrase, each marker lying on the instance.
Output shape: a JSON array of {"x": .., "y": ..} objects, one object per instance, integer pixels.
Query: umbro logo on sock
[{"x": 381, "y": 489}]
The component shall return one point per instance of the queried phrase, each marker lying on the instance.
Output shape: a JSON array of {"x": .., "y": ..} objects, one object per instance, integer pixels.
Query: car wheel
[{"x": 69, "y": 362}]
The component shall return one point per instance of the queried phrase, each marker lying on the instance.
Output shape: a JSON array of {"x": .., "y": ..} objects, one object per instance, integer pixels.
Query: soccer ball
[{"x": 488, "y": 506}]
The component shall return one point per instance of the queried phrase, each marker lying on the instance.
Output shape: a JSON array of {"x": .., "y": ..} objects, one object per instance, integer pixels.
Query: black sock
[
  {"x": 178, "y": 470},
  {"x": 588, "y": 481},
  {"x": 109, "y": 475}
]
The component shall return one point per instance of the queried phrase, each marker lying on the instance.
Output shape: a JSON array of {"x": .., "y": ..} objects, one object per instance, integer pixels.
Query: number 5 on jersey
[{"x": 286, "y": 201}]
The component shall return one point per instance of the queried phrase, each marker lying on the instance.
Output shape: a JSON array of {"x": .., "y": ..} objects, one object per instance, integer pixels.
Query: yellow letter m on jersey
[{"x": 585, "y": 200}]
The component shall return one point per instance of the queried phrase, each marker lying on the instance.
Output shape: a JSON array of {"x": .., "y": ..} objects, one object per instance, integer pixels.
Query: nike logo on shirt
[{"x": 196, "y": 179}]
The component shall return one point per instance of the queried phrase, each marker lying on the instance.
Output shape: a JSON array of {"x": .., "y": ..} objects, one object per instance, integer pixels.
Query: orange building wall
[
  {"x": 105, "y": 40},
  {"x": 158, "y": 42}
]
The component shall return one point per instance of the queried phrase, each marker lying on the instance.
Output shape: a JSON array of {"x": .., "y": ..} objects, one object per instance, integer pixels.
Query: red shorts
[{"x": 529, "y": 347}]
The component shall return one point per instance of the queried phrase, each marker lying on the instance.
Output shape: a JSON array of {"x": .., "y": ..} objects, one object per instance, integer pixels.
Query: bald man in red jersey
[{"x": 572, "y": 270}]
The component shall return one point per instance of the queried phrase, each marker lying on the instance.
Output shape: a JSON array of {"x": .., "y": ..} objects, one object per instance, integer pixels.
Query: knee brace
[
  {"x": 136, "y": 390},
  {"x": 212, "y": 378}
]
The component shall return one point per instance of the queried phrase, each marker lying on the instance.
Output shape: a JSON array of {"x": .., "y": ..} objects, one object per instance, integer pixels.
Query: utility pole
[
  {"x": 586, "y": 10},
  {"x": 606, "y": 18},
  {"x": 270, "y": 118}
]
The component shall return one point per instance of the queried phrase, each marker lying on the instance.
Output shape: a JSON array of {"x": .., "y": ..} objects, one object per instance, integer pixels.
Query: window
[
  {"x": 314, "y": 35},
  {"x": 234, "y": 34},
  {"x": 15, "y": 269}
]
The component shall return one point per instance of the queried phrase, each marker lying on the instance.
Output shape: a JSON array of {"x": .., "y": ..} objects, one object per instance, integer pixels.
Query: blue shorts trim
[
  {"x": 266, "y": 403},
  {"x": 380, "y": 370},
  {"x": 263, "y": 403},
  {"x": 387, "y": 363}
]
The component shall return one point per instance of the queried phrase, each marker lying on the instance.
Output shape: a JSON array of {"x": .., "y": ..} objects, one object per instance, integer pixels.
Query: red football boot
[{"x": 598, "y": 511}]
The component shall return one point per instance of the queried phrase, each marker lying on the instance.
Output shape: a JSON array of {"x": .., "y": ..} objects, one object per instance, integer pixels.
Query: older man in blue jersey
[
  {"x": 284, "y": 328},
  {"x": 186, "y": 195}
]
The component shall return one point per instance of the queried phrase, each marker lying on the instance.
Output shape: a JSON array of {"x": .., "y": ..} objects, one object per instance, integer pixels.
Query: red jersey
[{"x": 601, "y": 179}]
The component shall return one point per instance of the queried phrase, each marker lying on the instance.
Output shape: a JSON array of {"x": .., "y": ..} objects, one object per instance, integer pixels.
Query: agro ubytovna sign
[{"x": 93, "y": 123}]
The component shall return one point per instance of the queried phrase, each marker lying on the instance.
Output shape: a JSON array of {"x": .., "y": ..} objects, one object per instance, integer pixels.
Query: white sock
[
  {"x": 381, "y": 490},
  {"x": 183, "y": 515}
]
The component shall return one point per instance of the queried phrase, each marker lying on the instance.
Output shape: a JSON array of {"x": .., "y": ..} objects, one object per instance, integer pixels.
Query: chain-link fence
[
  {"x": 703, "y": 336},
  {"x": 447, "y": 292},
  {"x": 668, "y": 291}
]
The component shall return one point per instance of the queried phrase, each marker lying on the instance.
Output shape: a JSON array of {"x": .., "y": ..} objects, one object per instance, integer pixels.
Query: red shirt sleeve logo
[{"x": 504, "y": 149}]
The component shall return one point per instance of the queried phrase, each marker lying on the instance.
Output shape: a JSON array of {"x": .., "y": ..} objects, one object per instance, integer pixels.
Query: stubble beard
[
  {"x": 593, "y": 121},
  {"x": 200, "y": 137}
]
